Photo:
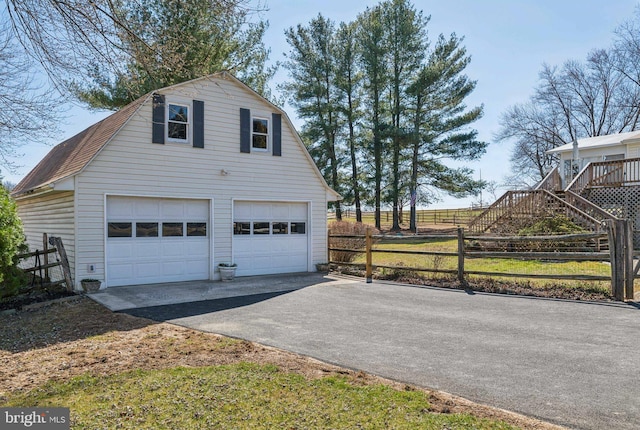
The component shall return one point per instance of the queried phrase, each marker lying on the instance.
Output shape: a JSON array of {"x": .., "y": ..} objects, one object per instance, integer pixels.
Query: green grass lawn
[{"x": 239, "y": 396}]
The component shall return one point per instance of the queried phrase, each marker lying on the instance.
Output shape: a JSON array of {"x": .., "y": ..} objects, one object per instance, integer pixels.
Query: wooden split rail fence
[{"x": 620, "y": 254}]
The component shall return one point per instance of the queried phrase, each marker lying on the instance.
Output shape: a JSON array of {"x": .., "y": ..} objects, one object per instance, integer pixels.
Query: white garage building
[{"x": 193, "y": 175}]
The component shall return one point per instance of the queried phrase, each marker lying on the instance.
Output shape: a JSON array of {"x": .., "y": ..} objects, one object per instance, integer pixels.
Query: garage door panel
[
  {"x": 146, "y": 270},
  {"x": 147, "y": 250},
  {"x": 173, "y": 210},
  {"x": 173, "y": 248},
  {"x": 261, "y": 211},
  {"x": 298, "y": 211},
  {"x": 199, "y": 210},
  {"x": 140, "y": 260},
  {"x": 270, "y": 253},
  {"x": 173, "y": 268},
  {"x": 146, "y": 208},
  {"x": 197, "y": 248},
  {"x": 120, "y": 249},
  {"x": 280, "y": 211},
  {"x": 121, "y": 271}
]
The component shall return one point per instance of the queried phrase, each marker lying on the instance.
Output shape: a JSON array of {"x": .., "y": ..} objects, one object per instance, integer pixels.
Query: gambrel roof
[{"x": 70, "y": 157}]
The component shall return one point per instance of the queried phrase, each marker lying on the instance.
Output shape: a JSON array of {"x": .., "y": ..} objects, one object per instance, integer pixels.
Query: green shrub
[
  {"x": 558, "y": 224},
  {"x": 11, "y": 243}
]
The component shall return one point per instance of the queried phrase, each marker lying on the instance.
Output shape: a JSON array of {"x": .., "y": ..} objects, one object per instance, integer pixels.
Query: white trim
[{"x": 76, "y": 270}]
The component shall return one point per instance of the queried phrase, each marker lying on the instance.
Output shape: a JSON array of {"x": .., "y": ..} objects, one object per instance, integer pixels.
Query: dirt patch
[
  {"x": 66, "y": 339},
  {"x": 34, "y": 294}
]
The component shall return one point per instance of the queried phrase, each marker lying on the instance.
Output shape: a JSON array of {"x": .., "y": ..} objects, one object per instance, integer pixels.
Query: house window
[
  {"x": 178, "y": 122},
  {"x": 260, "y": 134}
]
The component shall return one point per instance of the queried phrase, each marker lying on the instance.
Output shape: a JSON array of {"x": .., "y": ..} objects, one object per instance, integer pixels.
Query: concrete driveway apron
[{"x": 569, "y": 363}]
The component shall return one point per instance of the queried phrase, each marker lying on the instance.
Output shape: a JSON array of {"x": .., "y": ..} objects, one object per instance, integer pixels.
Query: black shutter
[
  {"x": 245, "y": 130},
  {"x": 198, "y": 124},
  {"x": 276, "y": 121},
  {"x": 157, "y": 128}
]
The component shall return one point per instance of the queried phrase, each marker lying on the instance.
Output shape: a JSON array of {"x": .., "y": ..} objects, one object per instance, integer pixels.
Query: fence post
[
  {"x": 629, "y": 272},
  {"x": 45, "y": 248},
  {"x": 369, "y": 268},
  {"x": 616, "y": 248},
  {"x": 64, "y": 261},
  {"x": 329, "y": 245},
  {"x": 461, "y": 255}
]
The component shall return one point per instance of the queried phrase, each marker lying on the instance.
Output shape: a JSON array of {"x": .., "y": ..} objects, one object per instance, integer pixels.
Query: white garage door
[
  {"x": 270, "y": 237},
  {"x": 153, "y": 240}
]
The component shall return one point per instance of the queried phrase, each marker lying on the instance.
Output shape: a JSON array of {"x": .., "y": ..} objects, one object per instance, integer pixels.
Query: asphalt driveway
[{"x": 569, "y": 363}]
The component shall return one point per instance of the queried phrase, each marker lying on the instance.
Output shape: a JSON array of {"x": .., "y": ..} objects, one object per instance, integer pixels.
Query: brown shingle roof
[{"x": 71, "y": 156}]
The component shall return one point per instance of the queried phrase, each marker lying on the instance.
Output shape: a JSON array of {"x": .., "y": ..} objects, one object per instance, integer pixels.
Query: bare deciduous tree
[
  {"x": 580, "y": 99},
  {"x": 27, "y": 109}
]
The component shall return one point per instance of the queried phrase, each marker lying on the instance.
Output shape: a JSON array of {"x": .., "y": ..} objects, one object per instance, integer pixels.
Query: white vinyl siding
[
  {"x": 50, "y": 213},
  {"x": 131, "y": 165}
]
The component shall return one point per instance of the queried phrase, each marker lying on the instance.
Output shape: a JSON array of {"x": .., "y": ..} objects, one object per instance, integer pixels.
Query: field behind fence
[
  {"x": 590, "y": 260},
  {"x": 425, "y": 218}
]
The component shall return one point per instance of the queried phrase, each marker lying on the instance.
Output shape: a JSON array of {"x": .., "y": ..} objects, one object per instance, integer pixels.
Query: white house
[
  {"x": 178, "y": 181},
  {"x": 591, "y": 149}
]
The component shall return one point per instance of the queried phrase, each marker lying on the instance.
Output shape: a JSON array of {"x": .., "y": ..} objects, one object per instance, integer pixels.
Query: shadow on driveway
[{"x": 182, "y": 310}]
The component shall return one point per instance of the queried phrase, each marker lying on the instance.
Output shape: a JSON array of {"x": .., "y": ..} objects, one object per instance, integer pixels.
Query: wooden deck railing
[
  {"x": 588, "y": 207},
  {"x": 551, "y": 182},
  {"x": 514, "y": 207},
  {"x": 615, "y": 173}
]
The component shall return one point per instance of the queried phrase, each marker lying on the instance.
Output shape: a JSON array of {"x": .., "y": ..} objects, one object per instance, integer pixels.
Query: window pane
[
  {"x": 170, "y": 229},
  {"x": 260, "y": 126},
  {"x": 260, "y": 228},
  {"x": 178, "y": 113},
  {"x": 196, "y": 229},
  {"x": 146, "y": 229},
  {"x": 119, "y": 229},
  {"x": 177, "y": 130},
  {"x": 280, "y": 227},
  {"x": 259, "y": 141},
  {"x": 241, "y": 228},
  {"x": 298, "y": 228}
]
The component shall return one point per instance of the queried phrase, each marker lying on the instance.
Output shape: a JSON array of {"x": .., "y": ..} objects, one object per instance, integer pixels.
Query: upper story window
[
  {"x": 260, "y": 134},
  {"x": 178, "y": 122}
]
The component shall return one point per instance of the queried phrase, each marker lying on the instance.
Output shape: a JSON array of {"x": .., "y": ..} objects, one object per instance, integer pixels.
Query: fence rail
[
  {"x": 48, "y": 266},
  {"x": 620, "y": 260}
]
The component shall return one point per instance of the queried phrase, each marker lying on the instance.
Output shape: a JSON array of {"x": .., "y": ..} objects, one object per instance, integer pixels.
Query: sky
[{"x": 508, "y": 41}]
